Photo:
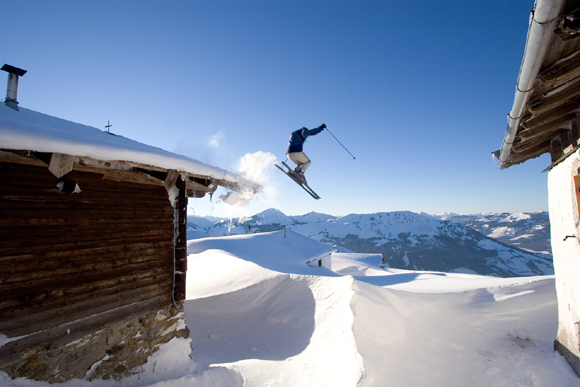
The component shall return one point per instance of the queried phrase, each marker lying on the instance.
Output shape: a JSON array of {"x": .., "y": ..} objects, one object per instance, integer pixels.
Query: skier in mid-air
[{"x": 295, "y": 152}]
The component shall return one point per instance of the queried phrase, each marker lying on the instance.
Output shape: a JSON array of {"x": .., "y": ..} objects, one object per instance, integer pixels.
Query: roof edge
[{"x": 541, "y": 29}]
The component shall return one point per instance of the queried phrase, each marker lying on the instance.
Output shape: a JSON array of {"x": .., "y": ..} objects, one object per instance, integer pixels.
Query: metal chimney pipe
[{"x": 12, "y": 88}]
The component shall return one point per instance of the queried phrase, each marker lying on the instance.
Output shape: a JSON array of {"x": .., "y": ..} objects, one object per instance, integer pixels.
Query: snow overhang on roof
[
  {"x": 545, "y": 117},
  {"x": 39, "y": 134}
]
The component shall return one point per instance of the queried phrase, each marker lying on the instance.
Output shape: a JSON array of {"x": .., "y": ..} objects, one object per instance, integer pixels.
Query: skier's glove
[{"x": 323, "y": 126}]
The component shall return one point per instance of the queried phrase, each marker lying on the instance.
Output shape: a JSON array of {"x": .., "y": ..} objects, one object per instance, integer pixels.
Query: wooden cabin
[
  {"x": 92, "y": 246},
  {"x": 545, "y": 118}
]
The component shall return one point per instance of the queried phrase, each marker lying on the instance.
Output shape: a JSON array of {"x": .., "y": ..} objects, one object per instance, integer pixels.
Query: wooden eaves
[
  {"x": 550, "y": 122},
  {"x": 197, "y": 186}
]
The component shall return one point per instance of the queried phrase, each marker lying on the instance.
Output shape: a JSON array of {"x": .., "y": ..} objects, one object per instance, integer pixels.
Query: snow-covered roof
[{"x": 29, "y": 130}]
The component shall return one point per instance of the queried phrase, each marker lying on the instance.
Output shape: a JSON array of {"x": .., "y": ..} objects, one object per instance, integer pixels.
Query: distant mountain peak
[{"x": 409, "y": 240}]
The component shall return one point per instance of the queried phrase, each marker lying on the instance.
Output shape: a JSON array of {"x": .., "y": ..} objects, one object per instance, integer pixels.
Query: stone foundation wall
[{"x": 112, "y": 352}]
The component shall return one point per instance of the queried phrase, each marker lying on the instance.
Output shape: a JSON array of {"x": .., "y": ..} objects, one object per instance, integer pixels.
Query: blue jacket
[{"x": 298, "y": 137}]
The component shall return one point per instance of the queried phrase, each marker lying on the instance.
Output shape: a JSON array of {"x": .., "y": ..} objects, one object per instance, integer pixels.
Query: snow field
[
  {"x": 259, "y": 316},
  {"x": 389, "y": 327}
]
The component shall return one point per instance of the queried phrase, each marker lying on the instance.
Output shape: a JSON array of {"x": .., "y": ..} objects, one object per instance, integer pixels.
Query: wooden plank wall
[
  {"x": 180, "y": 241},
  {"x": 66, "y": 257}
]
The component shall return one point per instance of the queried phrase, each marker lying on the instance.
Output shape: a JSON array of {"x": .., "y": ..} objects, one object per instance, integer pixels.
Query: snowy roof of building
[{"x": 32, "y": 131}]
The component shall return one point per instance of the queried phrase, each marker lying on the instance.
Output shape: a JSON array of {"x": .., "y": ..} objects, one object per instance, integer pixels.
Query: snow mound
[
  {"x": 276, "y": 321},
  {"x": 281, "y": 331}
]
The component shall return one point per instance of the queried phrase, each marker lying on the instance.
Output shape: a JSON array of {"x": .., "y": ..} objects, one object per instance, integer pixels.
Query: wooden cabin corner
[
  {"x": 87, "y": 251},
  {"x": 94, "y": 262}
]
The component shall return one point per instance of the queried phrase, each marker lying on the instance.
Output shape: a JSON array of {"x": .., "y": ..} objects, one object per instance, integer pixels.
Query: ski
[
  {"x": 292, "y": 175},
  {"x": 300, "y": 182}
]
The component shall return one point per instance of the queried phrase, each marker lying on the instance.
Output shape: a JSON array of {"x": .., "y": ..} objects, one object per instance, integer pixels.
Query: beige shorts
[{"x": 300, "y": 159}]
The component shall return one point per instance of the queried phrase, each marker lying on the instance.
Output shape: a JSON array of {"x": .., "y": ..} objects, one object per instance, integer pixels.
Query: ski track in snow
[{"x": 259, "y": 316}]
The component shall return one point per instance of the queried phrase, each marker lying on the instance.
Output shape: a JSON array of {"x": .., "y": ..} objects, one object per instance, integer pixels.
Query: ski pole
[{"x": 354, "y": 158}]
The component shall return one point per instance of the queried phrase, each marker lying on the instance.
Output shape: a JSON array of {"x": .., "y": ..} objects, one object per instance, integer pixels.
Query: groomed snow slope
[{"x": 259, "y": 316}]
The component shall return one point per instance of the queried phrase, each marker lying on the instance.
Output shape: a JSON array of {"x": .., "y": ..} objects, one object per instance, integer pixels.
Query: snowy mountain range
[
  {"x": 502, "y": 245},
  {"x": 529, "y": 231}
]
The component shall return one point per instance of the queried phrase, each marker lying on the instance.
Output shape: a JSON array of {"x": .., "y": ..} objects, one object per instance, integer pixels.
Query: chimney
[{"x": 11, "y": 91}]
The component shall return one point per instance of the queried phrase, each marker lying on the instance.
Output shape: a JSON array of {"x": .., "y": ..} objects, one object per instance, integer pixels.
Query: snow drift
[{"x": 259, "y": 316}]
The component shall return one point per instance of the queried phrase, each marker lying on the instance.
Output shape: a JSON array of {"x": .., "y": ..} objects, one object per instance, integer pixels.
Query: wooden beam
[
  {"x": 555, "y": 97},
  {"x": 569, "y": 107},
  {"x": 7, "y": 156},
  {"x": 561, "y": 123},
  {"x": 523, "y": 146},
  {"x": 224, "y": 183},
  {"x": 569, "y": 26},
  {"x": 556, "y": 150},
  {"x": 531, "y": 152},
  {"x": 131, "y": 177},
  {"x": 531, "y": 148},
  {"x": 561, "y": 71},
  {"x": 539, "y": 150},
  {"x": 61, "y": 164},
  {"x": 100, "y": 164},
  {"x": 180, "y": 238},
  {"x": 153, "y": 168},
  {"x": 112, "y": 170},
  {"x": 523, "y": 149},
  {"x": 574, "y": 133},
  {"x": 195, "y": 186},
  {"x": 86, "y": 164},
  {"x": 172, "y": 176}
]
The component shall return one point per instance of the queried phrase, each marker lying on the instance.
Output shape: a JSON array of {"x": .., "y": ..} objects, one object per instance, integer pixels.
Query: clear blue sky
[{"x": 418, "y": 91}]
